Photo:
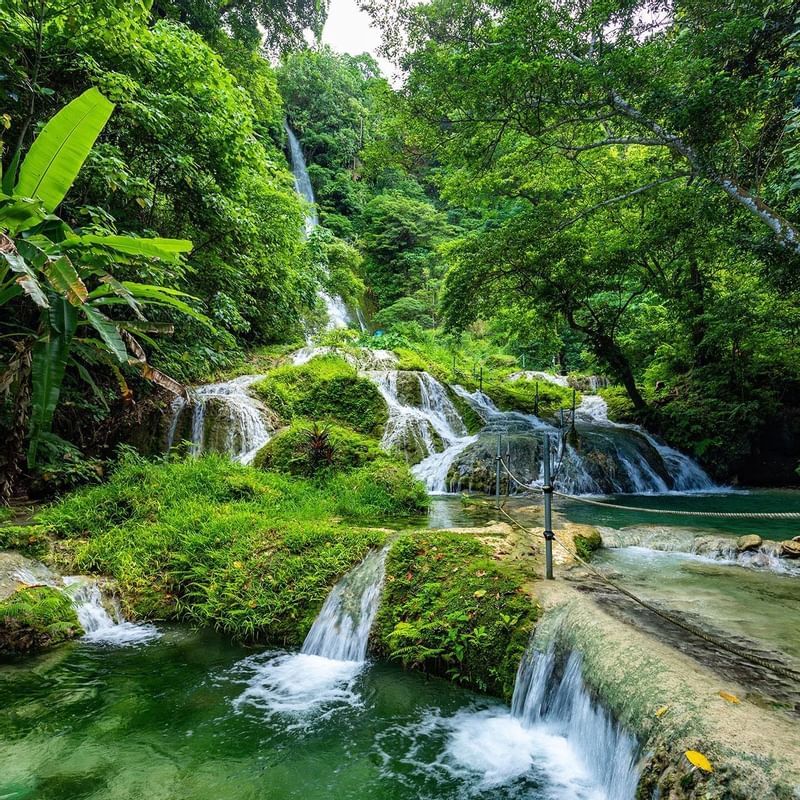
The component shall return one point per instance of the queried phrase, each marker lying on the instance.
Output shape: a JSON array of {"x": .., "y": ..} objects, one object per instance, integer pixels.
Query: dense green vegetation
[
  {"x": 451, "y": 609},
  {"x": 34, "y": 618},
  {"x": 251, "y": 552},
  {"x": 325, "y": 388}
]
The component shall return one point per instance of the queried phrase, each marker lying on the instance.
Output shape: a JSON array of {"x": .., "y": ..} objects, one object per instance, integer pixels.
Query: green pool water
[
  {"x": 761, "y": 500},
  {"x": 160, "y": 721}
]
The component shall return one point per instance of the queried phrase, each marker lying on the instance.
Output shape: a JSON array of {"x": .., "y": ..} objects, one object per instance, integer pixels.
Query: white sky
[{"x": 349, "y": 30}]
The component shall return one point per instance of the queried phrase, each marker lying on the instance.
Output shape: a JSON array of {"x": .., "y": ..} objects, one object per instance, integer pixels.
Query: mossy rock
[
  {"x": 326, "y": 388},
  {"x": 586, "y": 543},
  {"x": 290, "y": 451},
  {"x": 620, "y": 406},
  {"x": 521, "y": 396},
  {"x": 34, "y": 618},
  {"x": 449, "y": 608},
  {"x": 30, "y": 540}
]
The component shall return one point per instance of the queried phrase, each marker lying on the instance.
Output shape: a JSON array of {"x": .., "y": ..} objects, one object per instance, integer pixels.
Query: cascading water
[
  {"x": 555, "y": 737},
  {"x": 338, "y": 316},
  {"x": 333, "y": 654},
  {"x": 239, "y": 428},
  {"x": 100, "y": 626},
  {"x": 611, "y": 458},
  {"x": 424, "y": 422}
]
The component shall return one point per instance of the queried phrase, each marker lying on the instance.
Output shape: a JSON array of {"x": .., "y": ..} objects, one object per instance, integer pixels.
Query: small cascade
[
  {"x": 101, "y": 626},
  {"x": 651, "y": 541},
  {"x": 533, "y": 375},
  {"x": 565, "y": 706},
  {"x": 555, "y": 738},
  {"x": 239, "y": 427},
  {"x": 333, "y": 655},
  {"x": 610, "y": 458},
  {"x": 338, "y": 315},
  {"x": 423, "y": 423}
]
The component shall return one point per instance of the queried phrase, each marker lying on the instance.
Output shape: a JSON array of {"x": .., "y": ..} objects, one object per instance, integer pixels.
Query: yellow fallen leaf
[
  {"x": 661, "y": 711},
  {"x": 238, "y": 564},
  {"x": 731, "y": 698},
  {"x": 480, "y": 593},
  {"x": 699, "y": 760}
]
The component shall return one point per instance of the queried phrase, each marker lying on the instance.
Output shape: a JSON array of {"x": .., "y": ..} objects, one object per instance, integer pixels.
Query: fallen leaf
[
  {"x": 480, "y": 593},
  {"x": 699, "y": 760},
  {"x": 238, "y": 564},
  {"x": 731, "y": 698},
  {"x": 661, "y": 711}
]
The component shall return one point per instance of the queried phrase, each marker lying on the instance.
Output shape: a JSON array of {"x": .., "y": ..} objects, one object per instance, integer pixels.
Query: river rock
[
  {"x": 750, "y": 541},
  {"x": 790, "y": 549},
  {"x": 796, "y": 538}
]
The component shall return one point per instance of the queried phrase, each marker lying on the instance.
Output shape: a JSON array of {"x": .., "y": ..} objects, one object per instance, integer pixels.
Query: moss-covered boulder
[
  {"x": 306, "y": 448},
  {"x": 34, "y": 618},
  {"x": 325, "y": 388},
  {"x": 450, "y": 609}
]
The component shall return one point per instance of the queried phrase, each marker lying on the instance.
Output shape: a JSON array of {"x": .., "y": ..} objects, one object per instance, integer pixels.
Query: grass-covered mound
[
  {"x": 326, "y": 388},
  {"x": 520, "y": 395},
  {"x": 251, "y": 552},
  {"x": 36, "y": 617},
  {"x": 450, "y": 609},
  {"x": 308, "y": 448}
]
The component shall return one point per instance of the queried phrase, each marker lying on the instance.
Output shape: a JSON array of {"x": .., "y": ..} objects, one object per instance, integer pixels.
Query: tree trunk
[{"x": 611, "y": 353}]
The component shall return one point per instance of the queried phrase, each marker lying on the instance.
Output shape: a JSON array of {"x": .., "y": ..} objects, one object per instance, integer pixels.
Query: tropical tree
[{"x": 58, "y": 281}]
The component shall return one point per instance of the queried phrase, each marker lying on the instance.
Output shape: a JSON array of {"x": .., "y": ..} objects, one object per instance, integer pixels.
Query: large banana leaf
[
  {"x": 164, "y": 249},
  {"x": 49, "y": 360},
  {"x": 109, "y": 333},
  {"x": 65, "y": 280},
  {"x": 58, "y": 152}
]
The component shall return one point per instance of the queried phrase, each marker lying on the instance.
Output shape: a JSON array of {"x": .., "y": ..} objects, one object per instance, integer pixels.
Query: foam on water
[
  {"x": 100, "y": 626},
  {"x": 323, "y": 673}
]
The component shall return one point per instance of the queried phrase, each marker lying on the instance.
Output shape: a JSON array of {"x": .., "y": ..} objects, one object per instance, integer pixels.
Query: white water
[
  {"x": 630, "y": 467},
  {"x": 335, "y": 308},
  {"x": 241, "y": 419},
  {"x": 531, "y": 375},
  {"x": 333, "y": 655},
  {"x": 100, "y": 626},
  {"x": 434, "y": 427},
  {"x": 554, "y": 734}
]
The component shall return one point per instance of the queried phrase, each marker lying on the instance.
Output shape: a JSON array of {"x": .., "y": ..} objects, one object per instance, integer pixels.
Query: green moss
[
  {"x": 34, "y": 618},
  {"x": 450, "y": 609},
  {"x": 620, "y": 407},
  {"x": 586, "y": 545},
  {"x": 471, "y": 418},
  {"x": 250, "y": 552},
  {"x": 411, "y": 360},
  {"x": 521, "y": 396},
  {"x": 290, "y": 450},
  {"x": 30, "y": 540},
  {"x": 383, "y": 489},
  {"x": 326, "y": 388}
]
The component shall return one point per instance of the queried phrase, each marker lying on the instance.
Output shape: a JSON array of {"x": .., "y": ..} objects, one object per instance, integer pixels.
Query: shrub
[
  {"x": 326, "y": 388},
  {"x": 450, "y": 609},
  {"x": 383, "y": 488},
  {"x": 290, "y": 450},
  {"x": 36, "y": 617},
  {"x": 620, "y": 407}
]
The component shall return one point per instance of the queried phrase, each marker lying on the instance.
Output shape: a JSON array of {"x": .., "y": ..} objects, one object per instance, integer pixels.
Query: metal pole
[
  {"x": 481, "y": 377},
  {"x": 498, "y": 459},
  {"x": 536, "y": 401},
  {"x": 508, "y": 462},
  {"x": 547, "y": 490},
  {"x": 454, "y": 364},
  {"x": 573, "y": 410},
  {"x": 523, "y": 361}
]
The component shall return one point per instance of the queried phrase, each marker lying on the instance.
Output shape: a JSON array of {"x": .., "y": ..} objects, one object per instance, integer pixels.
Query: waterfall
[
  {"x": 333, "y": 655},
  {"x": 100, "y": 626},
  {"x": 335, "y": 308},
  {"x": 611, "y": 458},
  {"x": 423, "y": 422},
  {"x": 239, "y": 426},
  {"x": 555, "y": 740},
  {"x": 565, "y": 706}
]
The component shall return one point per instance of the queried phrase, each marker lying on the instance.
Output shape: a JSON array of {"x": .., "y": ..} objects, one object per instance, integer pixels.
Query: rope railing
[
  {"x": 669, "y": 512},
  {"x": 775, "y": 667}
]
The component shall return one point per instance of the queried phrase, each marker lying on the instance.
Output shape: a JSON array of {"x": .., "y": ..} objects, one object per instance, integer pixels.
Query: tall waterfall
[
  {"x": 338, "y": 316},
  {"x": 239, "y": 422},
  {"x": 333, "y": 655}
]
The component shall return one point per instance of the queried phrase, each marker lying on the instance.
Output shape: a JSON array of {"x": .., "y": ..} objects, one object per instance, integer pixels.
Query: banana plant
[{"x": 64, "y": 273}]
